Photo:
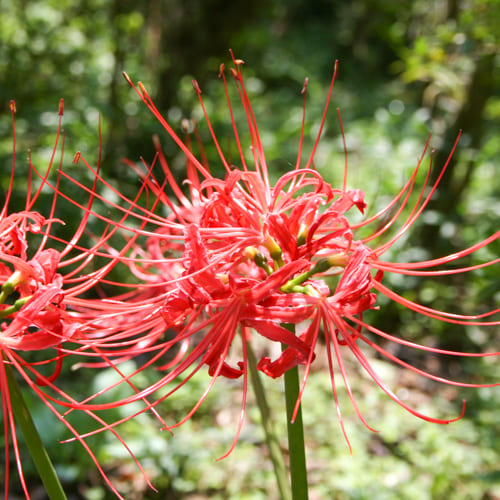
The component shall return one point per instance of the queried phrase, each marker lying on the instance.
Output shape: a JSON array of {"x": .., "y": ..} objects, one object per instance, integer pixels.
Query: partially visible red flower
[{"x": 43, "y": 279}]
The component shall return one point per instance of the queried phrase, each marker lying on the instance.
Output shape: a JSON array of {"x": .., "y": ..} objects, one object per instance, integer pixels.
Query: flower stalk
[
  {"x": 35, "y": 445},
  {"x": 295, "y": 428},
  {"x": 272, "y": 441}
]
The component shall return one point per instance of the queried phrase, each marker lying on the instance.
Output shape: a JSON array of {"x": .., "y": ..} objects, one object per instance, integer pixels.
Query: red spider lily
[
  {"x": 40, "y": 296},
  {"x": 238, "y": 257}
]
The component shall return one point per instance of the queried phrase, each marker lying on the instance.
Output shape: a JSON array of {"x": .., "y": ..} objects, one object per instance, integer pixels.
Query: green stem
[
  {"x": 294, "y": 285},
  {"x": 296, "y": 446},
  {"x": 36, "y": 448},
  {"x": 14, "y": 307},
  {"x": 273, "y": 445}
]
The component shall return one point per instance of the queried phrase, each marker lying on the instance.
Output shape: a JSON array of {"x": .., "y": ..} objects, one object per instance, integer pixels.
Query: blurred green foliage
[{"x": 407, "y": 68}]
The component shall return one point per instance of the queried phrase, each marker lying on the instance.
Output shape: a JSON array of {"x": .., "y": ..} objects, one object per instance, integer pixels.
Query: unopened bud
[
  {"x": 259, "y": 258},
  {"x": 12, "y": 106},
  {"x": 14, "y": 279},
  {"x": 338, "y": 260}
]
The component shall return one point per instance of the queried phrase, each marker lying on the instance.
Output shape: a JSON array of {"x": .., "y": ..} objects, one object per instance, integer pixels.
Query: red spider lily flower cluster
[
  {"x": 238, "y": 258},
  {"x": 214, "y": 265}
]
